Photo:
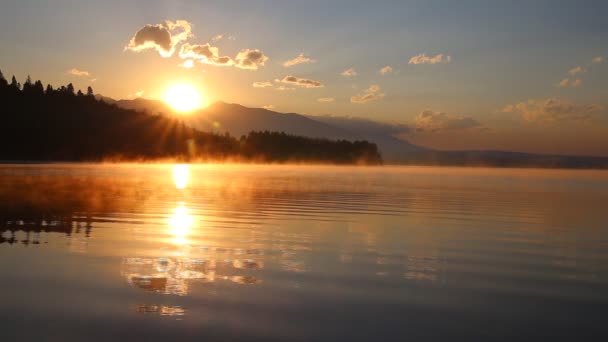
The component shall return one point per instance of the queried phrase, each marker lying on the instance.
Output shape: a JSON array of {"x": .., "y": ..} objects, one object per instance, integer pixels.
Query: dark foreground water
[{"x": 261, "y": 253}]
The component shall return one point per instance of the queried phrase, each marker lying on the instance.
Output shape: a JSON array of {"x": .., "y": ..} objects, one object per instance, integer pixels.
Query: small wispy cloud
[
  {"x": 598, "y": 59},
  {"x": 326, "y": 99},
  {"x": 566, "y": 82},
  {"x": 577, "y": 70},
  {"x": 349, "y": 72},
  {"x": 262, "y": 84},
  {"x": 284, "y": 88},
  {"x": 424, "y": 59},
  {"x": 268, "y": 107},
  {"x": 301, "y": 82},
  {"x": 553, "y": 110},
  {"x": 300, "y": 59},
  {"x": 370, "y": 94},
  {"x": 386, "y": 70},
  {"x": 431, "y": 121},
  {"x": 78, "y": 72}
]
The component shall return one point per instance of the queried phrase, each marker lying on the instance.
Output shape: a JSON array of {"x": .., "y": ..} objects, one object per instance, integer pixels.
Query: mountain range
[{"x": 238, "y": 120}]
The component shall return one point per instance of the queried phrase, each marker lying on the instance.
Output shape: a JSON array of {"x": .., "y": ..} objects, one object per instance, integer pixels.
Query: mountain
[{"x": 238, "y": 120}]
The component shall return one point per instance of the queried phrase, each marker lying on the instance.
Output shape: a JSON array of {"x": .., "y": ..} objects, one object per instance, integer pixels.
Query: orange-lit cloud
[
  {"x": 326, "y": 99},
  {"x": 553, "y": 110},
  {"x": 268, "y": 107},
  {"x": 77, "y": 72},
  {"x": 302, "y": 82},
  {"x": 566, "y": 82},
  {"x": 386, "y": 70},
  {"x": 161, "y": 37},
  {"x": 370, "y": 94},
  {"x": 577, "y": 70},
  {"x": 349, "y": 72},
  {"x": 598, "y": 59},
  {"x": 250, "y": 59},
  {"x": 300, "y": 59},
  {"x": 188, "y": 64},
  {"x": 430, "y": 121},
  {"x": 205, "y": 53},
  {"x": 424, "y": 59},
  {"x": 262, "y": 84},
  {"x": 284, "y": 88}
]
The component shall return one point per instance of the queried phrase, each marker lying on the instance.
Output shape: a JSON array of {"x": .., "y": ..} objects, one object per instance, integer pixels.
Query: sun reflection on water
[
  {"x": 181, "y": 175},
  {"x": 180, "y": 224}
]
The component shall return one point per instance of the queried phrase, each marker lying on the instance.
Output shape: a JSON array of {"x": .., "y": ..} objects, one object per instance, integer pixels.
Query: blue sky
[{"x": 502, "y": 53}]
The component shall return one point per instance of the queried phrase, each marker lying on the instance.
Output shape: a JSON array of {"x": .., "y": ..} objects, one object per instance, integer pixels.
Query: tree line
[{"x": 61, "y": 124}]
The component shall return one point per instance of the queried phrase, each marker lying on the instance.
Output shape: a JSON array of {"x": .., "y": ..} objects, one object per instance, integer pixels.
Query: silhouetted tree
[
  {"x": 14, "y": 84},
  {"x": 3, "y": 81},
  {"x": 87, "y": 129},
  {"x": 38, "y": 88}
]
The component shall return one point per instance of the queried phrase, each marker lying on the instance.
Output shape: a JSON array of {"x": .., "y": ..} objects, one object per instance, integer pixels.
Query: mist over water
[{"x": 254, "y": 252}]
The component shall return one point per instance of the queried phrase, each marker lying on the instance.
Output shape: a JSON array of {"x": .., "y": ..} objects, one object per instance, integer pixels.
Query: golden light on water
[
  {"x": 180, "y": 224},
  {"x": 183, "y": 97},
  {"x": 181, "y": 175}
]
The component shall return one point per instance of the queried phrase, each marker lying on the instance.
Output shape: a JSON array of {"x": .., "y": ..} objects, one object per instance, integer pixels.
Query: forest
[{"x": 61, "y": 124}]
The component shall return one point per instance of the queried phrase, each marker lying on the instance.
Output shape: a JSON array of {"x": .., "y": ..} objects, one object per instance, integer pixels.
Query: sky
[{"x": 513, "y": 75}]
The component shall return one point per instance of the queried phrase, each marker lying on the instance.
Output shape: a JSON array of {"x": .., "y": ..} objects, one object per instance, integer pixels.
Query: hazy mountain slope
[{"x": 239, "y": 120}]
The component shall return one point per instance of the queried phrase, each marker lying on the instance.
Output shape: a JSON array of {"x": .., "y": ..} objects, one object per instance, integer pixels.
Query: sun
[{"x": 183, "y": 97}]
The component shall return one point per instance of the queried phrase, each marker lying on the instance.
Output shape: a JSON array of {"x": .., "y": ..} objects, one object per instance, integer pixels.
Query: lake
[{"x": 311, "y": 253}]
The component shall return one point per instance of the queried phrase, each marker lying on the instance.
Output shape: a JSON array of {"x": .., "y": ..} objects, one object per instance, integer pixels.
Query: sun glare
[{"x": 183, "y": 97}]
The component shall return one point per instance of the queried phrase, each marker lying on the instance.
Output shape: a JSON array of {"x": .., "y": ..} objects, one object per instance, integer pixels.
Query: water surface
[{"x": 233, "y": 252}]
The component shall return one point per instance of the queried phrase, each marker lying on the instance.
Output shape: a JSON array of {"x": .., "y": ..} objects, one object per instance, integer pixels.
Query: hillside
[{"x": 62, "y": 125}]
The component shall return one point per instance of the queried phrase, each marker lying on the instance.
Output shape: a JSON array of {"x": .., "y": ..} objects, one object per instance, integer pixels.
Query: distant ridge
[{"x": 238, "y": 120}]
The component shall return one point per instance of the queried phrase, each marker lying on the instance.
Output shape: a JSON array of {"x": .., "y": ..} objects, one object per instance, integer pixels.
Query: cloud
[
  {"x": 386, "y": 70},
  {"x": 598, "y": 59},
  {"x": 250, "y": 59},
  {"x": 205, "y": 53},
  {"x": 576, "y": 71},
  {"x": 553, "y": 110},
  {"x": 349, "y": 72},
  {"x": 430, "y": 121},
  {"x": 262, "y": 84},
  {"x": 302, "y": 82},
  {"x": 268, "y": 107},
  {"x": 300, "y": 59},
  {"x": 284, "y": 88},
  {"x": 326, "y": 99},
  {"x": 161, "y": 37},
  {"x": 424, "y": 59},
  {"x": 93, "y": 80},
  {"x": 76, "y": 72},
  {"x": 570, "y": 83},
  {"x": 188, "y": 64},
  {"x": 217, "y": 37},
  {"x": 370, "y": 94}
]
